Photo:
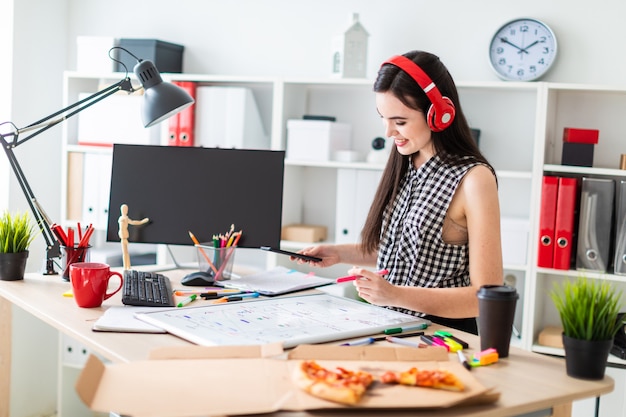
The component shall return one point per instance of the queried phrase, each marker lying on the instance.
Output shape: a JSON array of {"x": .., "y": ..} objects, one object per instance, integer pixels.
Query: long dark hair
[{"x": 450, "y": 145}]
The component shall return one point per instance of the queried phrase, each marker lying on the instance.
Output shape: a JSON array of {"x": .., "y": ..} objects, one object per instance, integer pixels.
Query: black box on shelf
[
  {"x": 166, "y": 56},
  {"x": 577, "y": 154}
]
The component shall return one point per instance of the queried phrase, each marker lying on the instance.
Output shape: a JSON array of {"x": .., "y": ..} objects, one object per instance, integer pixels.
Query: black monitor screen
[{"x": 202, "y": 190}]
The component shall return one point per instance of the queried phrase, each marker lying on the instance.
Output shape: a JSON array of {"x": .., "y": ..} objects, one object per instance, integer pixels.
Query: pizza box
[{"x": 200, "y": 380}]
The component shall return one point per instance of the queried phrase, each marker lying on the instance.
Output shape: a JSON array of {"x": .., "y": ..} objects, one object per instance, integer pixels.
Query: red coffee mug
[{"x": 90, "y": 282}]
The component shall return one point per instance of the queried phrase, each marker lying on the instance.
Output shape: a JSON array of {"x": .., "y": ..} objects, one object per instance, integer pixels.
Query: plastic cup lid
[{"x": 497, "y": 292}]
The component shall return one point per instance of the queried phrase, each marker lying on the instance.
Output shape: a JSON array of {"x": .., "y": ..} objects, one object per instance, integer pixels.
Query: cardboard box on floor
[{"x": 198, "y": 380}]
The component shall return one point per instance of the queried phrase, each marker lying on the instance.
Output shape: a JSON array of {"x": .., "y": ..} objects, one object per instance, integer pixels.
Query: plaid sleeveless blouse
[{"x": 412, "y": 248}]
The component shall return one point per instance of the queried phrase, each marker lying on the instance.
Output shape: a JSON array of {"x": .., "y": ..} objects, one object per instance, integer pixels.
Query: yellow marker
[
  {"x": 68, "y": 293},
  {"x": 454, "y": 346}
]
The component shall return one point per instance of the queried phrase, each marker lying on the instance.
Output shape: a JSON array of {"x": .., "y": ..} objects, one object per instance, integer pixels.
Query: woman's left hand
[{"x": 373, "y": 288}]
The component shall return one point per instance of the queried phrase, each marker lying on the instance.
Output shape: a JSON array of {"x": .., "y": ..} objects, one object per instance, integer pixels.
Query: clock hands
[
  {"x": 525, "y": 49},
  {"x": 505, "y": 40},
  {"x": 519, "y": 49}
]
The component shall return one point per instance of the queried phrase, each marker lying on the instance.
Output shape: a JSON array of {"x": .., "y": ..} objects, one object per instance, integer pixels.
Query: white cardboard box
[
  {"x": 214, "y": 385},
  {"x": 316, "y": 140}
]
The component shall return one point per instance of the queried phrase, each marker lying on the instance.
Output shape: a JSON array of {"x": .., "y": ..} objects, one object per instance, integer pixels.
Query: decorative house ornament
[{"x": 349, "y": 50}]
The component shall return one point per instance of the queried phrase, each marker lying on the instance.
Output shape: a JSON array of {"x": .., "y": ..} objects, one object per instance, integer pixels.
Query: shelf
[
  {"x": 89, "y": 149},
  {"x": 588, "y": 274},
  {"x": 568, "y": 169},
  {"x": 334, "y": 164}
]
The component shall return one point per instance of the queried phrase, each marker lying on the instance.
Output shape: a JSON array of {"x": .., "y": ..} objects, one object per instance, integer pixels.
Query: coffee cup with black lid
[{"x": 496, "y": 312}]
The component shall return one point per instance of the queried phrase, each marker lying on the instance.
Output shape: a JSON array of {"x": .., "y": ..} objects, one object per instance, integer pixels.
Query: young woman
[{"x": 433, "y": 230}]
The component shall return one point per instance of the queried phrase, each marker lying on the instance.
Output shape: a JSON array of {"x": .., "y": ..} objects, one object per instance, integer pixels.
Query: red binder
[
  {"x": 547, "y": 215},
  {"x": 564, "y": 222},
  {"x": 186, "y": 124},
  {"x": 172, "y": 138}
]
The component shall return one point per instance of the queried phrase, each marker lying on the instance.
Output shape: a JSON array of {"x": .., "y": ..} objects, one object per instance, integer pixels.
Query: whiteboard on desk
[{"x": 314, "y": 318}]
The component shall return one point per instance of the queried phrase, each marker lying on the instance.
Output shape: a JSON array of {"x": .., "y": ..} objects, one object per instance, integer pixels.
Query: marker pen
[
  {"x": 454, "y": 346},
  {"x": 187, "y": 300},
  {"x": 360, "y": 342},
  {"x": 445, "y": 334},
  {"x": 239, "y": 297},
  {"x": 451, "y": 345},
  {"x": 353, "y": 277},
  {"x": 434, "y": 341},
  {"x": 404, "y": 342},
  {"x": 439, "y": 342},
  {"x": 395, "y": 330},
  {"x": 463, "y": 360}
]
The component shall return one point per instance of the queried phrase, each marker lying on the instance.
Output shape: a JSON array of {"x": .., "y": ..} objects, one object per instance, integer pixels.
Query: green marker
[{"x": 405, "y": 329}]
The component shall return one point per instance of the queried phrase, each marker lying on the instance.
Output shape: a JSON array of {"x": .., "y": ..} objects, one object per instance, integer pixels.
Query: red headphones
[{"x": 441, "y": 112}]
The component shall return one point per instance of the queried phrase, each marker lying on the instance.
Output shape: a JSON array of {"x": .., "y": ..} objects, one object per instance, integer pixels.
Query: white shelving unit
[{"x": 521, "y": 127}]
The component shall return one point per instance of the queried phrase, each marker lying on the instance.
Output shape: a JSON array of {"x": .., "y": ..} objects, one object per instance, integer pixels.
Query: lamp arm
[
  {"x": 11, "y": 140},
  {"x": 52, "y": 246},
  {"x": 62, "y": 115}
]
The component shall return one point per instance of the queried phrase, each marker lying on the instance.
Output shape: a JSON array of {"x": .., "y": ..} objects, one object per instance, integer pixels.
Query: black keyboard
[{"x": 148, "y": 289}]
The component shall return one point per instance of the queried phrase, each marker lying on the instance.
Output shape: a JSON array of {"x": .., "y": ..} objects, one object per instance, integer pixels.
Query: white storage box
[
  {"x": 316, "y": 140},
  {"x": 115, "y": 120},
  {"x": 514, "y": 240},
  {"x": 92, "y": 54}
]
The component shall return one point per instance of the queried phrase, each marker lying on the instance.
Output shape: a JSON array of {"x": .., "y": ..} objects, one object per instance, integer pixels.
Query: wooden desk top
[
  {"x": 527, "y": 381},
  {"x": 42, "y": 296}
]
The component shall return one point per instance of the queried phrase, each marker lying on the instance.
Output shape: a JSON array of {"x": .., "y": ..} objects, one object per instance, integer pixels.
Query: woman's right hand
[{"x": 328, "y": 253}]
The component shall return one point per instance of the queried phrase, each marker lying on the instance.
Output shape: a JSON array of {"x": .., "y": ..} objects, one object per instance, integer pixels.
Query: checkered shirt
[{"x": 412, "y": 248}]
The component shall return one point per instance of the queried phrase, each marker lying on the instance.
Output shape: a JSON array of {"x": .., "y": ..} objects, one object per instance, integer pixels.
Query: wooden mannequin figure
[{"x": 124, "y": 221}]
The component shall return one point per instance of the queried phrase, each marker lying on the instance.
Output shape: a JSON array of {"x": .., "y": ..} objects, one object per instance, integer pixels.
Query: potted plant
[
  {"x": 16, "y": 234},
  {"x": 590, "y": 315}
]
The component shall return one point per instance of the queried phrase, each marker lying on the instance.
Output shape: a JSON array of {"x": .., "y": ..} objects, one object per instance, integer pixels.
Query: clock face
[{"x": 522, "y": 50}]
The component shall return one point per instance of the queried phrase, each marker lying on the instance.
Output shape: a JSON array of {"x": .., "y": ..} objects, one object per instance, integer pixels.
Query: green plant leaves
[
  {"x": 16, "y": 232},
  {"x": 588, "y": 308}
]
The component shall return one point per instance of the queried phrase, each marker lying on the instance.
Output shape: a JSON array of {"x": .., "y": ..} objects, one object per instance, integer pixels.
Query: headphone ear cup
[{"x": 441, "y": 117}]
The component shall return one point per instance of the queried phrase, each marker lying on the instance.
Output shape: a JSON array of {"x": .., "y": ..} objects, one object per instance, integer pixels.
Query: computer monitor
[{"x": 198, "y": 190}]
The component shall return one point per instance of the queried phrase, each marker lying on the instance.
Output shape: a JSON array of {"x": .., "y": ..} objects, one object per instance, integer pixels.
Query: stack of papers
[
  {"x": 276, "y": 281},
  {"x": 122, "y": 319}
]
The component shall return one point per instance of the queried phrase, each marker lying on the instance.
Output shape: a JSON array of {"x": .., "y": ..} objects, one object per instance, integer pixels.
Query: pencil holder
[
  {"x": 217, "y": 262},
  {"x": 72, "y": 255}
]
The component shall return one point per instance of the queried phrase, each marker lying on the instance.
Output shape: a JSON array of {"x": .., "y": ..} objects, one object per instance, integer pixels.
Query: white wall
[
  {"x": 292, "y": 38},
  {"x": 39, "y": 54},
  {"x": 6, "y": 50},
  {"x": 287, "y": 37}
]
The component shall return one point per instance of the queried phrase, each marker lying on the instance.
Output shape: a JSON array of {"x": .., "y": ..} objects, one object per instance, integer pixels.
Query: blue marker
[{"x": 231, "y": 298}]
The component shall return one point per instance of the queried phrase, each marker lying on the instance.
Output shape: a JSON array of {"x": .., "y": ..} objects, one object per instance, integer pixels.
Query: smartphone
[{"x": 294, "y": 254}]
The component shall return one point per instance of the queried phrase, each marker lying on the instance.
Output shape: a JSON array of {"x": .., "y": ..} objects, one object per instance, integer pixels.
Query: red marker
[{"x": 353, "y": 277}]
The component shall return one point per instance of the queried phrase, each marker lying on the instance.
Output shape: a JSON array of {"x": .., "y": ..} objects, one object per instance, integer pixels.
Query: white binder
[
  {"x": 228, "y": 117},
  {"x": 355, "y": 193},
  {"x": 96, "y": 189}
]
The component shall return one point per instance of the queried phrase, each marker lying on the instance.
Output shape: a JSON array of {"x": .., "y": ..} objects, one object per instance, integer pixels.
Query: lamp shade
[{"x": 161, "y": 100}]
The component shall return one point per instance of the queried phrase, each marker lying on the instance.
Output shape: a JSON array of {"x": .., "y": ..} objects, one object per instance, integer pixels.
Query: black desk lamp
[{"x": 161, "y": 100}]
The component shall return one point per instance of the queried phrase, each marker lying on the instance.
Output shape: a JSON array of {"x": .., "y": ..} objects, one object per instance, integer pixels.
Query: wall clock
[{"x": 522, "y": 50}]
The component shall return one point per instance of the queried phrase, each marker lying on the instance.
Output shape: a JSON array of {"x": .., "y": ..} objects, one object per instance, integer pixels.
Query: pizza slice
[
  {"x": 338, "y": 385},
  {"x": 429, "y": 378}
]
